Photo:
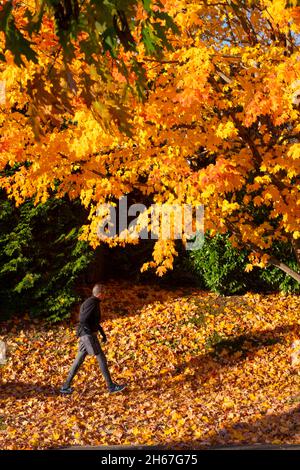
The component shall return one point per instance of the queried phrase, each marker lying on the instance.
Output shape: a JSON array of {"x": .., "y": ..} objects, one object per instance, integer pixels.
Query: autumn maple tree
[{"x": 213, "y": 119}]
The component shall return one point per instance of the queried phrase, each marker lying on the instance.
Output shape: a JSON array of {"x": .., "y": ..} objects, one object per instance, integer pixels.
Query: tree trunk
[
  {"x": 296, "y": 246},
  {"x": 279, "y": 264}
]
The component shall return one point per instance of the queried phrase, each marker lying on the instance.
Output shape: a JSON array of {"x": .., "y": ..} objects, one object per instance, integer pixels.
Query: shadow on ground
[
  {"x": 228, "y": 352},
  {"x": 26, "y": 390}
]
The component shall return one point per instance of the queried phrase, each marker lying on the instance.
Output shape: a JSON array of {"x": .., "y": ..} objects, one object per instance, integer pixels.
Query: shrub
[
  {"x": 222, "y": 268},
  {"x": 275, "y": 277},
  {"x": 220, "y": 265},
  {"x": 41, "y": 257}
]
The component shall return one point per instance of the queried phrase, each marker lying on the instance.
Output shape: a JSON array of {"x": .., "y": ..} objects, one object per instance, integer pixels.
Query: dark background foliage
[
  {"x": 45, "y": 269},
  {"x": 41, "y": 257}
]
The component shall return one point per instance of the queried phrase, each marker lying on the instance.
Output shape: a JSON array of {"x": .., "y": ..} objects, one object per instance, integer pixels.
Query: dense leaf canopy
[{"x": 218, "y": 123}]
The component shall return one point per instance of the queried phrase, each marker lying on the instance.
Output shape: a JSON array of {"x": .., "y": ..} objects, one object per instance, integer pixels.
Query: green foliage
[
  {"x": 41, "y": 257},
  {"x": 14, "y": 39},
  {"x": 222, "y": 268},
  {"x": 275, "y": 276},
  {"x": 220, "y": 265},
  {"x": 108, "y": 23},
  {"x": 216, "y": 266}
]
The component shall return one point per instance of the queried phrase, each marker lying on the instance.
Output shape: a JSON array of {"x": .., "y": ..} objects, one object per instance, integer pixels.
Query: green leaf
[
  {"x": 292, "y": 3},
  {"x": 149, "y": 40},
  {"x": 27, "y": 282},
  {"x": 168, "y": 20},
  {"x": 14, "y": 39},
  {"x": 35, "y": 21},
  {"x": 147, "y": 5},
  {"x": 109, "y": 41}
]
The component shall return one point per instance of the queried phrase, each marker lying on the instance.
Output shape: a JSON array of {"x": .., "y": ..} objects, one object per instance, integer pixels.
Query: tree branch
[{"x": 272, "y": 260}]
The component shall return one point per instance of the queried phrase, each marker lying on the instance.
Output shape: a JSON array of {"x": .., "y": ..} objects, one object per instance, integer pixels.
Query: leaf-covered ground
[{"x": 202, "y": 370}]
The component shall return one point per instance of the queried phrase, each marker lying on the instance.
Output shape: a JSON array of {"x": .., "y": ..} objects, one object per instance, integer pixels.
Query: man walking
[{"x": 89, "y": 325}]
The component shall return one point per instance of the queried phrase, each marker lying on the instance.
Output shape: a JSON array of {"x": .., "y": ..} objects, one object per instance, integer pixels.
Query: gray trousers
[{"x": 89, "y": 345}]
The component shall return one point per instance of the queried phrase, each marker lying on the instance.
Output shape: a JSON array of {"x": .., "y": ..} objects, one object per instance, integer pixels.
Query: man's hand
[{"x": 101, "y": 331}]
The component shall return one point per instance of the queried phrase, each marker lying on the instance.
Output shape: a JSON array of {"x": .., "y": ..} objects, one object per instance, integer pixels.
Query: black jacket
[{"x": 89, "y": 317}]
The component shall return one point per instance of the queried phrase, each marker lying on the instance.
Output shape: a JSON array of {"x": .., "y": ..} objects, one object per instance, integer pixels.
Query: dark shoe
[
  {"x": 117, "y": 388},
  {"x": 66, "y": 390}
]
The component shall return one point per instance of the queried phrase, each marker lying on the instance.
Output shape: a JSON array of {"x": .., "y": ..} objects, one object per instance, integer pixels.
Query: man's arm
[
  {"x": 102, "y": 333},
  {"x": 100, "y": 327}
]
